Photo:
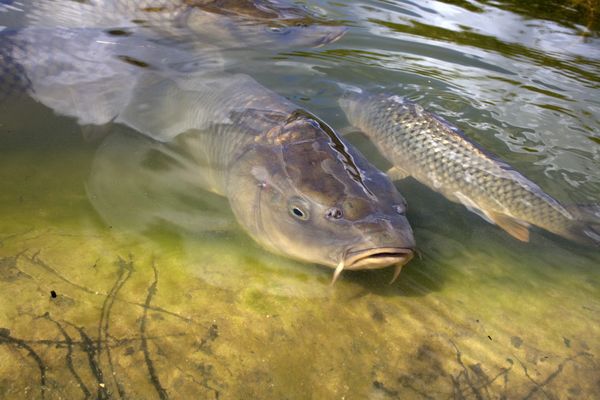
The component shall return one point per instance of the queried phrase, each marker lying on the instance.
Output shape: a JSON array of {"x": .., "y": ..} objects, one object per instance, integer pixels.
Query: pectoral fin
[
  {"x": 474, "y": 207},
  {"x": 397, "y": 174},
  {"x": 138, "y": 184},
  {"x": 514, "y": 227}
]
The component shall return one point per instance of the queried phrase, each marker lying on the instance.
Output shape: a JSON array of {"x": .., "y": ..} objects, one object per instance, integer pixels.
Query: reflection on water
[{"x": 159, "y": 294}]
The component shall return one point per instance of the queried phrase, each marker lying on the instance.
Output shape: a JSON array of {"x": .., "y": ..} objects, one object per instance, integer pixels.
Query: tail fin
[{"x": 587, "y": 227}]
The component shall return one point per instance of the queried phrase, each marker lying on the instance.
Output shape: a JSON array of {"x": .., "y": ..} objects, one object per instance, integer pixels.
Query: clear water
[{"x": 166, "y": 312}]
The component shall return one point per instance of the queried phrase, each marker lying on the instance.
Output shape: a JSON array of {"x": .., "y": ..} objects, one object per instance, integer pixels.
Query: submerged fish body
[
  {"x": 292, "y": 183},
  {"x": 420, "y": 144}
]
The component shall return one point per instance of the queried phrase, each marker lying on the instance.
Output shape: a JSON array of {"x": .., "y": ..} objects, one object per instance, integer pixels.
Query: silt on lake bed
[{"x": 164, "y": 163}]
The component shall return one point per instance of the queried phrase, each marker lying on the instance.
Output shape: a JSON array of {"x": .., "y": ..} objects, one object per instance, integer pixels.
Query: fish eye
[
  {"x": 334, "y": 213},
  {"x": 399, "y": 208},
  {"x": 298, "y": 208},
  {"x": 299, "y": 213}
]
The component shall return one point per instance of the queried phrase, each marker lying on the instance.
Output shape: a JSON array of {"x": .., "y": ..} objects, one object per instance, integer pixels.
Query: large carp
[
  {"x": 293, "y": 184},
  {"x": 420, "y": 144}
]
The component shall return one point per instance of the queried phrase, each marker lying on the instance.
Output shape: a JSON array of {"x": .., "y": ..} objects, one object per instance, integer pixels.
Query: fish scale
[{"x": 420, "y": 144}]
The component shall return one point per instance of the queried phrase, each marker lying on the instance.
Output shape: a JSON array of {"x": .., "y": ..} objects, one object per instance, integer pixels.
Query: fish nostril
[
  {"x": 399, "y": 209},
  {"x": 334, "y": 213}
]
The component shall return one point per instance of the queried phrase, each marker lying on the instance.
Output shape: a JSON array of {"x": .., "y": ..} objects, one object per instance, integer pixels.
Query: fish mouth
[
  {"x": 374, "y": 258},
  {"x": 377, "y": 257}
]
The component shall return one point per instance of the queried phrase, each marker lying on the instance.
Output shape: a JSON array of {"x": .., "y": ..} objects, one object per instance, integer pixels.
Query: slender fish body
[{"x": 420, "y": 144}]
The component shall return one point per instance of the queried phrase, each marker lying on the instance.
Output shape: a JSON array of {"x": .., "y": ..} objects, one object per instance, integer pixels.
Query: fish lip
[{"x": 377, "y": 257}]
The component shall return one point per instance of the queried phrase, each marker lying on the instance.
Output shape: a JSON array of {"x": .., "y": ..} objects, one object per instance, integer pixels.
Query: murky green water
[{"x": 128, "y": 307}]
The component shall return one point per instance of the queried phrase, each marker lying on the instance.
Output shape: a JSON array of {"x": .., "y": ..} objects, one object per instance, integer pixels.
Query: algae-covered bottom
[{"x": 95, "y": 311}]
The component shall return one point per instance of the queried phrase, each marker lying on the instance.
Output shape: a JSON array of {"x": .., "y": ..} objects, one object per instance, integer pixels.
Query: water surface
[{"x": 117, "y": 304}]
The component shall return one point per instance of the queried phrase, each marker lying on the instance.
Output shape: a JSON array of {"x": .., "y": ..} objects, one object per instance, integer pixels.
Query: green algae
[{"x": 178, "y": 316}]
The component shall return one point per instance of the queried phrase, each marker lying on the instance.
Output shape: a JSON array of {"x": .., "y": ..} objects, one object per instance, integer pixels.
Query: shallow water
[{"x": 128, "y": 307}]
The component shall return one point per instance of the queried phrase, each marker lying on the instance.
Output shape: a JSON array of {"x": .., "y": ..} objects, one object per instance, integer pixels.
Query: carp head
[{"x": 302, "y": 192}]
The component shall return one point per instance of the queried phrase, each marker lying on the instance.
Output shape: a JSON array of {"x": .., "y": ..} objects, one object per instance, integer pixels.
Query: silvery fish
[
  {"x": 292, "y": 183},
  {"x": 421, "y": 144}
]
